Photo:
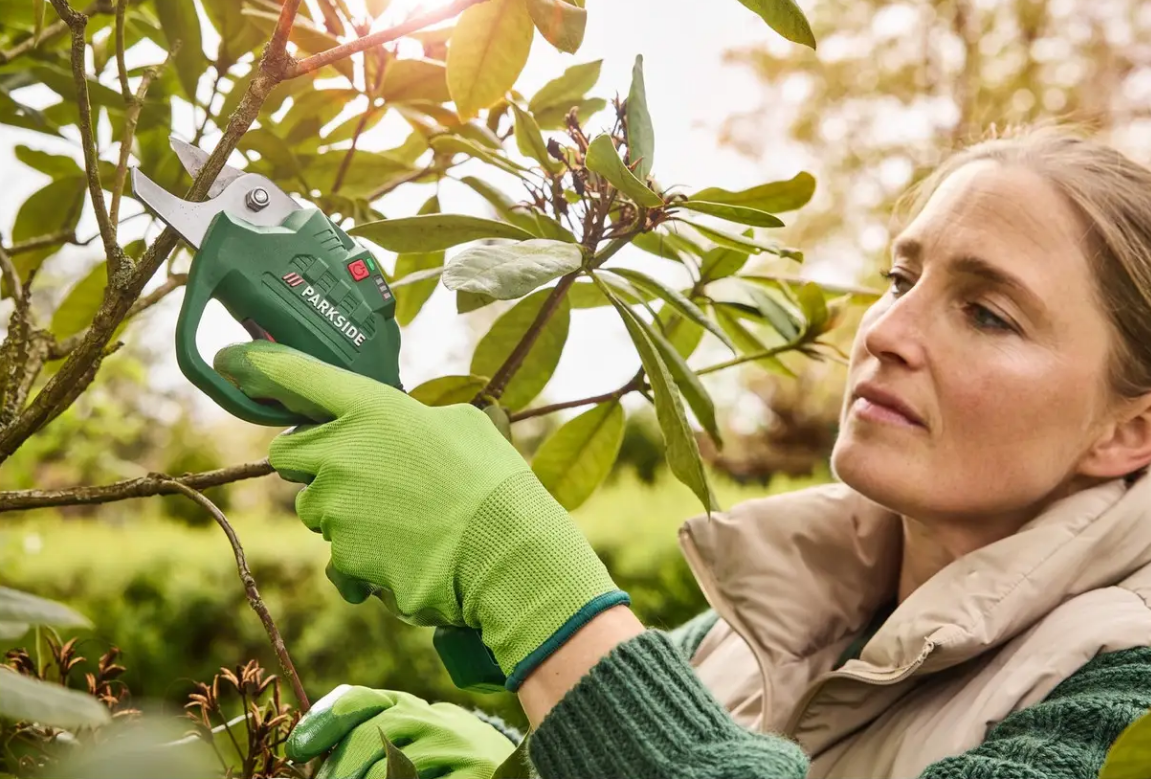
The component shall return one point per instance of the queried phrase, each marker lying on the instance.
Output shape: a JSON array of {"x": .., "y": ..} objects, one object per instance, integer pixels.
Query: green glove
[
  {"x": 441, "y": 739},
  {"x": 431, "y": 506}
]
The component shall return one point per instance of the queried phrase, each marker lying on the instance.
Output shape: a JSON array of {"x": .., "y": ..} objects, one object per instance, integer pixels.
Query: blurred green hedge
[{"x": 169, "y": 596}]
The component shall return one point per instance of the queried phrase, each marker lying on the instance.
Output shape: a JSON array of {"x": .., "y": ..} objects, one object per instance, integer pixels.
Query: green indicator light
[{"x": 368, "y": 262}]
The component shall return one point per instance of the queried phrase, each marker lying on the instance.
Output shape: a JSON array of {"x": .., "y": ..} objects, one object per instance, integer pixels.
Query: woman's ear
[{"x": 1125, "y": 447}]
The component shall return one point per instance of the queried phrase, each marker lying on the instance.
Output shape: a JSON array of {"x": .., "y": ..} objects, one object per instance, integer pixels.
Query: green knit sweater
[{"x": 642, "y": 713}]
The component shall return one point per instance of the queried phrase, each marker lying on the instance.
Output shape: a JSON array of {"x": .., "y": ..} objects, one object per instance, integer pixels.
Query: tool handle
[
  {"x": 204, "y": 376},
  {"x": 468, "y": 660}
]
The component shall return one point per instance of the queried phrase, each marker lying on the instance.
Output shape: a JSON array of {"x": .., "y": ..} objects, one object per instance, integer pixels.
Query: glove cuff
[{"x": 528, "y": 577}]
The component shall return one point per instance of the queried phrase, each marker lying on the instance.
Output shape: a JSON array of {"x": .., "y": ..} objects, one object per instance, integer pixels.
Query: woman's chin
[{"x": 875, "y": 472}]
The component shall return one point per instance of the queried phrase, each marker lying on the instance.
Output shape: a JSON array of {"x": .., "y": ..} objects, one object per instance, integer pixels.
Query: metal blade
[
  {"x": 193, "y": 158},
  {"x": 189, "y": 220}
]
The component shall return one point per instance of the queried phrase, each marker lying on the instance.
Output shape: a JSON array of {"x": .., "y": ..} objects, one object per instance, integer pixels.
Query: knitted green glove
[
  {"x": 431, "y": 506},
  {"x": 441, "y": 739}
]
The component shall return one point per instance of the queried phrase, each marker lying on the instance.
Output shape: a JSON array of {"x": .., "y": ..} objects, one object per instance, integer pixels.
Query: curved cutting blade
[{"x": 193, "y": 158}]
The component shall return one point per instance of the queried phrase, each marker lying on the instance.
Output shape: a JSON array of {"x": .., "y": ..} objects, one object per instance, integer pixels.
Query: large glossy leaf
[
  {"x": 690, "y": 385},
  {"x": 237, "y": 35},
  {"x": 510, "y": 271},
  {"x": 780, "y": 318},
  {"x": 745, "y": 340},
  {"x": 554, "y": 118},
  {"x": 537, "y": 368},
  {"x": 721, "y": 262},
  {"x": 54, "y": 208},
  {"x": 433, "y": 232},
  {"x": 449, "y": 390},
  {"x": 682, "y": 450},
  {"x": 683, "y": 334},
  {"x": 676, "y": 300},
  {"x": 54, "y": 165},
  {"x": 15, "y": 114},
  {"x": 568, "y": 90},
  {"x": 489, "y": 47},
  {"x": 416, "y": 79},
  {"x": 1130, "y": 755},
  {"x": 640, "y": 133},
  {"x": 588, "y": 295},
  {"x": 179, "y": 22},
  {"x": 574, "y": 460},
  {"x": 603, "y": 159},
  {"x": 786, "y": 18},
  {"x": 560, "y": 22},
  {"x": 451, "y": 144},
  {"x": 411, "y": 299},
  {"x": 530, "y": 141},
  {"x": 60, "y": 81},
  {"x": 31, "y": 700},
  {"x": 741, "y": 214},
  {"x": 774, "y": 198},
  {"x": 739, "y": 242},
  {"x": 814, "y": 305},
  {"x": 17, "y": 606},
  {"x": 657, "y": 243},
  {"x": 81, "y": 303}
]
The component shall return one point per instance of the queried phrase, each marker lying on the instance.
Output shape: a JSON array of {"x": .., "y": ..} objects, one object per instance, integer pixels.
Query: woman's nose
[{"x": 894, "y": 330}]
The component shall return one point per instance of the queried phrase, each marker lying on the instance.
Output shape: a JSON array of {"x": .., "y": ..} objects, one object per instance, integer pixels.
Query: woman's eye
[
  {"x": 899, "y": 283},
  {"x": 985, "y": 319}
]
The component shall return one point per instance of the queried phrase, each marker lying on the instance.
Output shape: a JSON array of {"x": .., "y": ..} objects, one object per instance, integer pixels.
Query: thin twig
[
  {"x": 121, "y": 66},
  {"x": 635, "y": 383},
  {"x": 40, "y": 241},
  {"x": 317, "y": 61},
  {"x": 131, "y": 117},
  {"x": 143, "y": 487},
  {"x": 208, "y": 106},
  {"x": 346, "y": 162},
  {"x": 279, "y": 43},
  {"x": 51, "y": 31},
  {"x": 117, "y": 260},
  {"x": 772, "y": 352},
  {"x": 384, "y": 189},
  {"x": 253, "y": 593},
  {"x": 10, "y": 276}
]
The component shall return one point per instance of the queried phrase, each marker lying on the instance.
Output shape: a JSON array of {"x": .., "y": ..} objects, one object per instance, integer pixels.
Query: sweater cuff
[{"x": 642, "y": 711}]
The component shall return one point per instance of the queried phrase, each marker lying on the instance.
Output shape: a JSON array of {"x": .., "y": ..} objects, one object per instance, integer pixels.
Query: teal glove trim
[{"x": 560, "y": 637}]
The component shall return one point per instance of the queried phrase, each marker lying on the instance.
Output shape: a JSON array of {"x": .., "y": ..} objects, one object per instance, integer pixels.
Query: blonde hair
[{"x": 1113, "y": 195}]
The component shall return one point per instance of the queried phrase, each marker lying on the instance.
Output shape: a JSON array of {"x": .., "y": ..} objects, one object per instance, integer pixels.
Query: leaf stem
[
  {"x": 317, "y": 61},
  {"x": 253, "y": 593},
  {"x": 772, "y": 352},
  {"x": 635, "y": 383}
]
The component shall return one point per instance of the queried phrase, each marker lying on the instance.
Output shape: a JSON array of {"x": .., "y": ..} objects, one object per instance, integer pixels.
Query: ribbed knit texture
[
  {"x": 688, "y": 636},
  {"x": 642, "y": 713}
]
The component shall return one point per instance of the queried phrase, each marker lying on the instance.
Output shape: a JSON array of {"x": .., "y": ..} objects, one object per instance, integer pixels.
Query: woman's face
[{"x": 978, "y": 381}]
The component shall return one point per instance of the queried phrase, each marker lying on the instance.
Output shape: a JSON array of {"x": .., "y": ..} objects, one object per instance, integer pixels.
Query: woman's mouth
[{"x": 875, "y": 404}]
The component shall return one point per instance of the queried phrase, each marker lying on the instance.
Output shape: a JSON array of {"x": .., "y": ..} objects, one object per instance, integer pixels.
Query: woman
[{"x": 971, "y": 600}]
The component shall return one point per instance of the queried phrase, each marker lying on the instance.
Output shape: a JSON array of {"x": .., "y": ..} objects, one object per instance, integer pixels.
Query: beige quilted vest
[{"x": 796, "y": 577}]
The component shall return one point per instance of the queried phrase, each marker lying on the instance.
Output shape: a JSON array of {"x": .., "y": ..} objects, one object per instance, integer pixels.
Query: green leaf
[
  {"x": 237, "y": 35},
  {"x": 399, "y": 766},
  {"x": 504, "y": 206},
  {"x": 735, "y": 241},
  {"x": 61, "y": 82},
  {"x": 690, "y": 385},
  {"x": 15, "y": 114},
  {"x": 537, "y": 368},
  {"x": 561, "y": 23},
  {"x": 10, "y": 631},
  {"x": 657, "y": 243},
  {"x": 54, "y": 208},
  {"x": 745, "y": 340},
  {"x": 588, "y": 295},
  {"x": 489, "y": 47},
  {"x": 676, "y": 300},
  {"x": 449, "y": 390},
  {"x": 530, "y": 141},
  {"x": 81, "y": 303},
  {"x": 783, "y": 320},
  {"x": 500, "y": 418},
  {"x": 54, "y": 165},
  {"x": 510, "y": 271},
  {"x": 682, "y": 450},
  {"x": 1130, "y": 755},
  {"x": 432, "y": 232},
  {"x": 416, "y": 79},
  {"x": 640, "y": 133},
  {"x": 450, "y": 144},
  {"x": 603, "y": 159},
  {"x": 814, "y": 305},
  {"x": 741, "y": 214},
  {"x": 467, "y": 302},
  {"x": 568, "y": 90},
  {"x": 17, "y": 606},
  {"x": 518, "y": 764},
  {"x": 179, "y": 22},
  {"x": 574, "y": 460},
  {"x": 38, "y": 7},
  {"x": 683, "y": 334},
  {"x": 721, "y": 262},
  {"x": 417, "y": 277},
  {"x": 786, "y": 18},
  {"x": 31, "y": 700},
  {"x": 412, "y": 298},
  {"x": 554, "y": 118},
  {"x": 774, "y": 198}
]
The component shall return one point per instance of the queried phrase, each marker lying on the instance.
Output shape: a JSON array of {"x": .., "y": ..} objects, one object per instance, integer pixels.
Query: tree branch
[
  {"x": 175, "y": 281},
  {"x": 346, "y": 162},
  {"x": 499, "y": 381},
  {"x": 117, "y": 260},
  {"x": 9, "y": 275},
  {"x": 39, "y": 242},
  {"x": 131, "y": 117},
  {"x": 253, "y": 593},
  {"x": 143, "y": 487},
  {"x": 121, "y": 66},
  {"x": 635, "y": 383},
  {"x": 317, "y": 61},
  {"x": 279, "y": 43}
]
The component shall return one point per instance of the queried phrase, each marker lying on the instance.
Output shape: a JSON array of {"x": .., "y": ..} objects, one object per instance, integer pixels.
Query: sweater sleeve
[
  {"x": 642, "y": 712},
  {"x": 1068, "y": 734},
  {"x": 688, "y": 636}
]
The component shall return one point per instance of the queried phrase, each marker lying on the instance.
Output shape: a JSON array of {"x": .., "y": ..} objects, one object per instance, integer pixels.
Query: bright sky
[{"x": 690, "y": 91}]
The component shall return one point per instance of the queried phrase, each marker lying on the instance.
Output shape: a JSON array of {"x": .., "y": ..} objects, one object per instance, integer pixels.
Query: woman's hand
[
  {"x": 428, "y": 507},
  {"x": 441, "y": 739}
]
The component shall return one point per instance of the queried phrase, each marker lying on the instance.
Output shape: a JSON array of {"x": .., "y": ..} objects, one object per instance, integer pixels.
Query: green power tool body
[{"x": 289, "y": 274}]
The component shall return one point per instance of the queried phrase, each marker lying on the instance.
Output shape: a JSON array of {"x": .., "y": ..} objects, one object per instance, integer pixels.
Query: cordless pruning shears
[{"x": 289, "y": 274}]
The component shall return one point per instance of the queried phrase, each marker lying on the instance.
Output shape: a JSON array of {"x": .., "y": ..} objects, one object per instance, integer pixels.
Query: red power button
[{"x": 358, "y": 270}]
